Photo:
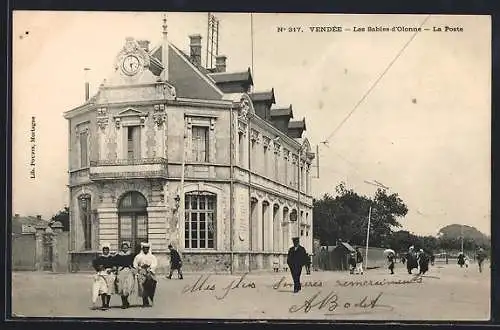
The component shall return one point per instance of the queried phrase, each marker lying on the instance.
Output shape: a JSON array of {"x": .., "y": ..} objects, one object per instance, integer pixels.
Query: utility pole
[
  {"x": 368, "y": 237},
  {"x": 462, "y": 237}
]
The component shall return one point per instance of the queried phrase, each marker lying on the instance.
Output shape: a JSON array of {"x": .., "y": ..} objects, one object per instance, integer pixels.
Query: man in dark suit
[{"x": 297, "y": 258}]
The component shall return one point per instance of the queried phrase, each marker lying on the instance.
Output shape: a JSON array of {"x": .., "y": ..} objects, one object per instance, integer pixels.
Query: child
[{"x": 276, "y": 264}]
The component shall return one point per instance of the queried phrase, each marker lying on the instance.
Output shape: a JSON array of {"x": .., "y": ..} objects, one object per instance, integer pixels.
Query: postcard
[{"x": 255, "y": 166}]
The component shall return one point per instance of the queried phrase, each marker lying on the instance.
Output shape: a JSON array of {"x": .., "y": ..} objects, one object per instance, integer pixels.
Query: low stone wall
[{"x": 23, "y": 252}]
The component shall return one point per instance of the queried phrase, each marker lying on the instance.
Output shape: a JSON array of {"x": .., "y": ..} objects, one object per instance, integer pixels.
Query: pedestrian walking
[
  {"x": 104, "y": 279},
  {"x": 423, "y": 262},
  {"x": 145, "y": 263},
  {"x": 359, "y": 262},
  {"x": 411, "y": 259},
  {"x": 125, "y": 279},
  {"x": 461, "y": 259},
  {"x": 391, "y": 259},
  {"x": 296, "y": 259},
  {"x": 481, "y": 256},
  {"x": 175, "y": 262}
]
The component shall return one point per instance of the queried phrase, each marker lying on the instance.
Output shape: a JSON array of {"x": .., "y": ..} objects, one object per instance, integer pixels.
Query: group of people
[
  {"x": 462, "y": 259},
  {"x": 356, "y": 262},
  {"x": 417, "y": 260},
  {"x": 125, "y": 274}
]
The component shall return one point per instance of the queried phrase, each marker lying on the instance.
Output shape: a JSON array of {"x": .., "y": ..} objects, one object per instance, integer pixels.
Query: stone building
[{"x": 170, "y": 152}]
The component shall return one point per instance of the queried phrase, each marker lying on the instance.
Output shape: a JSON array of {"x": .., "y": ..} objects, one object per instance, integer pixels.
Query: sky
[{"x": 419, "y": 123}]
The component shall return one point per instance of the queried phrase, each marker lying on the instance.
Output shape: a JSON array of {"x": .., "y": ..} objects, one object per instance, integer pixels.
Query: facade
[{"x": 173, "y": 153}]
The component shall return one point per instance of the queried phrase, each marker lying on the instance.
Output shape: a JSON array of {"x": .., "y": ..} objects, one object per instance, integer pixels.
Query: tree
[
  {"x": 345, "y": 216},
  {"x": 63, "y": 217}
]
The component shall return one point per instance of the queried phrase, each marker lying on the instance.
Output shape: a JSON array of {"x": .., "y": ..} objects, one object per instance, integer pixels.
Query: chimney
[
  {"x": 220, "y": 63},
  {"x": 87, "y": 85},
  {"x": 195, "y": 48},
  {"x": 144, "y": 44},
  {"x": 38, "y": 217}
]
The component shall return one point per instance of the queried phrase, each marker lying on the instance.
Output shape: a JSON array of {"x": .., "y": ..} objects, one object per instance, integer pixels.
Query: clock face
[{"x": 131, "y": 64}]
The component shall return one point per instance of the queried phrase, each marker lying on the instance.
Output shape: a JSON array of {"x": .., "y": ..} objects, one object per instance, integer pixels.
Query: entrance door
[{"x": 133, "y": 220}]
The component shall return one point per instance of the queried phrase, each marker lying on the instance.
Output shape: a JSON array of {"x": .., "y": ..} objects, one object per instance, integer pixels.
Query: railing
[
  {"x": 129, "y": 175},
  {"x": 129, "y": 168},
  {"x": 140, "y": 161}
]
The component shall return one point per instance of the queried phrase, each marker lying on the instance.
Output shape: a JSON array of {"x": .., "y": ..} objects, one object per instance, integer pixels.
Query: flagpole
[{"x": 368, "y": 237}]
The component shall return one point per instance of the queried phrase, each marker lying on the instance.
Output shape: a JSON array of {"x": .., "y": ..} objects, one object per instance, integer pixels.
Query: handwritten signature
[{"x": 331, "y": 303}]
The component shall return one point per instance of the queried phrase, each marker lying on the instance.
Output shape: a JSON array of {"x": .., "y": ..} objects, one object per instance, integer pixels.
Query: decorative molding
[
  {"x": 286, "y": 153},
  {"x": 159, "y": 115},
  {"x": 165, "y": 91},
  {"x": 132, "y": 47},
  {"x": 266, "y": 140},
  {"x": 255, "y": 135},
  {"x": 277, "y": 148},
  {"x": 242, "y": 127},
  {"x": 102, "y": 118},
  {"x": 189, "y": 123},
  {"x": 212, "y": 124},
  {"x": 244, "y": 108},
  {"x": 82, "y": 128},
  {"x": 117, "y": 123}
]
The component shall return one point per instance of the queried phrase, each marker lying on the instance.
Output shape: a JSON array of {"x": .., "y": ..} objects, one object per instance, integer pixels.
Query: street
[{"x": 447, "y": 292}]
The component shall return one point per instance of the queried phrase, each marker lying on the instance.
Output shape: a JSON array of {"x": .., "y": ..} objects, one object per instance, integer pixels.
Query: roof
[
  {"x": 282, "y": 112},
  {"x": 347, "y": 246},
  {"x": 263, "y": 96},
  {"x": 225, "y": 77}
]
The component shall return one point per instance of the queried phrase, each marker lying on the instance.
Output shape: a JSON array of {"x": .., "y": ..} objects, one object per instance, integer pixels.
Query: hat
[
  {"x": 169, "y": 246},
  {"x": 294, "y": 239},
  {"x": 105, "y": 245},
  {"x": 145, "y": 244},
  {"x": 127, "y": 243}
]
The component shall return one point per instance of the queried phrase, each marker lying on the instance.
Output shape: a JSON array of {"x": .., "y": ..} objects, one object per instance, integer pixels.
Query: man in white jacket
[{"x": 145, "y": 263}]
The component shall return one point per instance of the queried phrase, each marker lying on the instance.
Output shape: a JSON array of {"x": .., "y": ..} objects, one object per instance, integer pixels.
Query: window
[
  {"x": 133, "y": 220},
  {"x": 285, "y": 175},
  {"x": 200, "y": 144},
  {"x": 86, "y": 219},
  {"x": 133, "y": 142},
  {"x": 302, "y": 232},
  {"x": 84, "y": 158},
  {"x": 265, "y": 160},
  {"x": 241, "y": 144},
  {"x": 276, "y": 166},
  {"x": 200, "y": 221}
]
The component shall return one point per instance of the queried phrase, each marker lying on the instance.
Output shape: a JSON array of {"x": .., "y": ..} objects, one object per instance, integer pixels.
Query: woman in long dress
[
  {"x": 104, "y": 279},
  {"x": 145, "y": 263},
  {"x": 125, "y": 280}
]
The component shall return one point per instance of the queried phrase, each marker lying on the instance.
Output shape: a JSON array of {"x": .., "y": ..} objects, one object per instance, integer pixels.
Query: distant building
[
  {"x": 25, "y": 225},
  {"x": 171, "y": 152}
]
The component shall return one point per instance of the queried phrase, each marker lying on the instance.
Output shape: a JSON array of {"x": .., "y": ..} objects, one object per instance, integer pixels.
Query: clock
[{"x": 131, "y": 64}]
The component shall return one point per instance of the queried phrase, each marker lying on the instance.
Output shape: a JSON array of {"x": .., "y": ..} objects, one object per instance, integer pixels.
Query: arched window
[
  {"x": 133, "y": 219},
  {"x": 200, "y": 220}
]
